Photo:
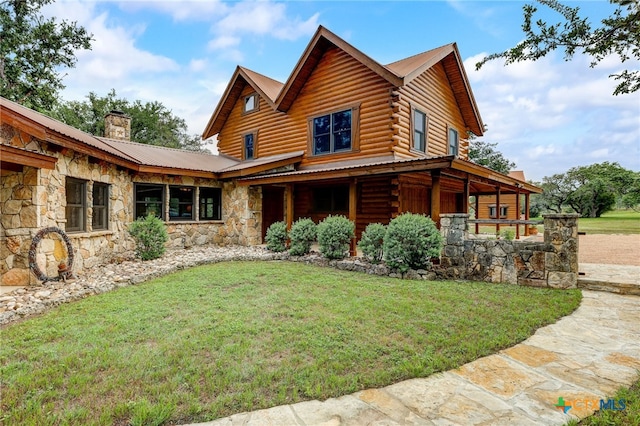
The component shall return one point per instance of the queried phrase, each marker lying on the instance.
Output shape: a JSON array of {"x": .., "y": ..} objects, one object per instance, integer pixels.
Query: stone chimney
[{"x": 117, "y": 125}]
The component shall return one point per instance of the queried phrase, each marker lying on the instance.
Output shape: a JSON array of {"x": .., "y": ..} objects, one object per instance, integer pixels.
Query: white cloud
[
  {"x": 551, "y": 115},
  {"x": 223, "y": 42}
]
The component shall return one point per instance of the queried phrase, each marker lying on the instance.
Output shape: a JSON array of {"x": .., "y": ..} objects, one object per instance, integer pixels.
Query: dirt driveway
[{"x": 609, "y": 249}]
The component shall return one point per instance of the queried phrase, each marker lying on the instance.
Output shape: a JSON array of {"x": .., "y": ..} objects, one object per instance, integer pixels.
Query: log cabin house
[
  {"x": 374, "y": 140},
  {"x": 343, "y": 135}
]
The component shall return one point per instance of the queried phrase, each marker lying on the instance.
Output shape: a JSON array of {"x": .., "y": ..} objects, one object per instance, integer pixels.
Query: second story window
[
  {"x": 251, "y": 103},
  {"x": 332, "y": 132},
  {"x": 249, "y": 146},
  {"x": 453, "y": 141},
  {"x": 419, "y": 131}
]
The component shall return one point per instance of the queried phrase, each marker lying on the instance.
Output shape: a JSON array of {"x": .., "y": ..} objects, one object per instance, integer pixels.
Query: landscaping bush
[
  {"x": 301, "y": 236},
  {"x": 508, "y": 234},
  {"x": 411, "y": 241},
  {"x": 371, "y": 242},
  {"x": 334, "y": 235},
  {"x": 150, "y": 234},
  {"x": 276, "y": 237}
]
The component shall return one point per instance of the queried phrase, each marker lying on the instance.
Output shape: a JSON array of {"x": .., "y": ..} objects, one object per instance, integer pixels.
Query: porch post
[
  {"x": 465, "y": 197},
  {"x": 353, "y": 200},
  {"x": 526, "y": 213},
  {"x": 288, "y": 195},
  {"x": 498, "y": 209},
  {"x": 435, "y": 197},
  {"x": 518, "y": 205},
  {"x": 477, "y": 213}
]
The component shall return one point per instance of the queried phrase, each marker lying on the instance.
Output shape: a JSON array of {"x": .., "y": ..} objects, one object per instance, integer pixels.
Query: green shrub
[
  {"x": 371, "y": 242},
  {"x": 301, "y": 236},
  {"x": 334, "y": 236},
  {"x": 276, "y": 237},
  {"x": 411, "y": 241},
  {"x": 150, "y": 234},
  {"x": 508, "y": 234}
]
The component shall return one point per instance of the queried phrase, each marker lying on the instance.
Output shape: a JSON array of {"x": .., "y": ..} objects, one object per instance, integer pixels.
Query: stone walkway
[{"x": 575, "y": 362}]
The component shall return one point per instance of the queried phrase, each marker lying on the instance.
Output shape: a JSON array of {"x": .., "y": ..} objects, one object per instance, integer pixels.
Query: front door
[{"x": 272, "y": 206}]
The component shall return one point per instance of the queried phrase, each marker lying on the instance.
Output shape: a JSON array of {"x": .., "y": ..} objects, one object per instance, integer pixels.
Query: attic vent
[{"x": 117, "y": 125}]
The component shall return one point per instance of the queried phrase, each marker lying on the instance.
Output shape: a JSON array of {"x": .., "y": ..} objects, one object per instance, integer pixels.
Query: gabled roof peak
[{"x": 281, "y": 96}]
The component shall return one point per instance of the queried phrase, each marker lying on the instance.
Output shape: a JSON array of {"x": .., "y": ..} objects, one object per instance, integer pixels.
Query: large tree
[
  {"x": 34, "y": 52},
  {"x": 486, "y": 154},
  {"x": 618, "y": 34},
  {"x": 151, "y": 122},
  {"x": 590, "y": 190}
]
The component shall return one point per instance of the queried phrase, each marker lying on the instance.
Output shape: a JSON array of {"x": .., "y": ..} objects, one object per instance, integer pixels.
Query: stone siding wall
[
  {"x": 550, "y": 263},
  {"x": 34, "y": 199}
]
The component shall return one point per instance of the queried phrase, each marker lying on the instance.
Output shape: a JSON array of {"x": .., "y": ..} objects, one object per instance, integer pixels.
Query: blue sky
[{"x": 546, "y": 116}]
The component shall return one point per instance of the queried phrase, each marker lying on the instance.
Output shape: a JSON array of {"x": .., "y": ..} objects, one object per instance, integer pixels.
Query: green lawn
[
  {"x": 615, "y": 222},
  {"x": 219, "y": 339}
]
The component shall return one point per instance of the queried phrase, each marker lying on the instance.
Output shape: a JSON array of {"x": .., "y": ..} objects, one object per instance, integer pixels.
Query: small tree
[
  {"x": 150, "y": 234},
  {"x": 371, "y": 242},
  {"x": 334, "y": 235},
  {"x": 302, "y": 235},
  {"x": 411, "y": 241},
  {"x": 276, "y": 237}
]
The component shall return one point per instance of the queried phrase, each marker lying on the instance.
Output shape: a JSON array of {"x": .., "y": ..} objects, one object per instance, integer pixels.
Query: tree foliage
[
  {"x": 151, "y": 122},
  {"x": 590, "y": 190},
  {"x": 619, "y": 34},
  {"x": 485, "y": 154},
  {"x": 34, "y": 52}
]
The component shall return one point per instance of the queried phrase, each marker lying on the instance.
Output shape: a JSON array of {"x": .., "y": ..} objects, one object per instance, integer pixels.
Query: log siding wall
[
  {"x": 430, "y": 93},
  {"x": 339, "y": 81}
]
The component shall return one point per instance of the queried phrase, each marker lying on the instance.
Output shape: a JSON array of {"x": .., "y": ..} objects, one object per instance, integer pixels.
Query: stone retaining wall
[{"x": 552, "y": 262}]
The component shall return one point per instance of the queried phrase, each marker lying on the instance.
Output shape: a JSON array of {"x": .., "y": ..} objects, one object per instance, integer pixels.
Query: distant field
[{"x": 615, "y": 222}]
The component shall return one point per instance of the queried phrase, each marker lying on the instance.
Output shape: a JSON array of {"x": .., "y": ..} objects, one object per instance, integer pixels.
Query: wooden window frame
[
  {"x": 493, "y": 211},
  {"x": 216, "y": 204},
  {"x": 100, "y": 212},
  {"x": 256, "y": 103},
  {"x": 137, "y": 202},
  {"x": 355, "y": 131},
  {"x": 415, "y": 110},
  {"x": 189, "y": 206},
  {"x": 253, "y": 133},
  {"x": 457, "y": 146},
  {"x": 81, "y": 206}
]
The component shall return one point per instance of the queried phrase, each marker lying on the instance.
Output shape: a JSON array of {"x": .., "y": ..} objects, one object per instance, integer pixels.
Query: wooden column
[
  {"x": 526, "y": 213},
  {"x": 477, "y": 213},
  {"x": 288, "y": 195},
  {"x": 435, "y": 197},
  {"x": 518, "y": 205},
  {"x": 353, "y": 208},
  {"x": 465, "y": 197},
  {"x": 498, "y": 209}
]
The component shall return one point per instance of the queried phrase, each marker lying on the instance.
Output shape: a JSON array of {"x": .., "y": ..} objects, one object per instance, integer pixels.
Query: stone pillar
[
  {"x": 561, "y": 263},
  {"x": 454, "y": 231}
]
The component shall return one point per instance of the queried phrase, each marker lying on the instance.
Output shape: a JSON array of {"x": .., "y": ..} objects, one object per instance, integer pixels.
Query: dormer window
[{"x": 251, "y": 103}]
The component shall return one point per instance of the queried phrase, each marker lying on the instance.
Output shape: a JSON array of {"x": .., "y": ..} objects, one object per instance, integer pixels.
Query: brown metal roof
[
  {"x": 268, "y": 86},
  {"x": 170, "y": 158},
  {"x": 408, "y": 66},
  {"x": 59, "y": 128}
]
